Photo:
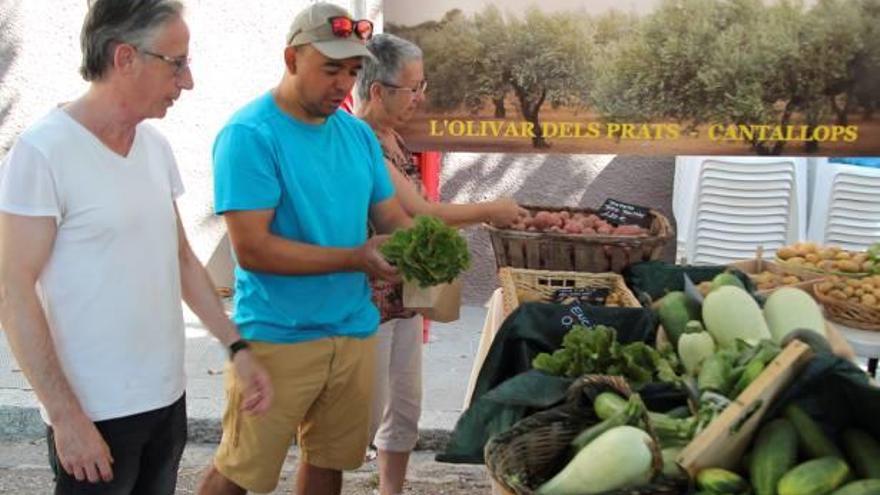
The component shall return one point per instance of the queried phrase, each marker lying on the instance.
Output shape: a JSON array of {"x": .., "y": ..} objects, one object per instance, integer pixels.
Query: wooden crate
[
  {"x": 758, "y": 265},
  {"x": 723, "y": 443},
  {"x": 520, "y": 285},
  {"x": 580, "y": 253}
]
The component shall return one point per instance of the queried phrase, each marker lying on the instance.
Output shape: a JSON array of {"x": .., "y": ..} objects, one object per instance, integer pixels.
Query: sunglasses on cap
[{"x": 343, "y": 27}]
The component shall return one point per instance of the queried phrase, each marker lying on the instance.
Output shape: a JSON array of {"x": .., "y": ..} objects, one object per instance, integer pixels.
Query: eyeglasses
[
  {"x": 179, "y": 64},
  {"x": 343, "y": 27},
  {"x": 418, "y": 90}
]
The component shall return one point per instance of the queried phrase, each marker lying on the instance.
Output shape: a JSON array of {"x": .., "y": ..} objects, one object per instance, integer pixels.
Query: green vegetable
[
  {"x": 716, "y": 374},
  {"x": 788, "y": 309},
  {"x": 670, "y": 431},
  {"x": 863, "y": 452},
  {"x": 812, "y": 439},
  {"x": 671, "y": 469},
  {"x": 675, "y": 310},
  {"x": 694, "y": 326},
  {"x": 430, "y": 252},
  {"x": 620, "y": 458},
  {"x": 588, "y": 350},
  {"x": 629, "y": 413},
  {"x": 863, "y": 487},
  {"x": 726, "y": 278},
  {"x": 717, "y": 480},
  {"x": 694, "y": 348},
  {"x": 730, "y": 313},
  {"x": 750, "y": 373},
  {"x": 773, "y": 455},
  {"x": 817, "y": 477}
]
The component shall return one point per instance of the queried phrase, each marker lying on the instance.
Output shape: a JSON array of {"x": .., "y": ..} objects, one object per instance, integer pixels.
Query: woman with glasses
[{"x": 389, "y": 89}]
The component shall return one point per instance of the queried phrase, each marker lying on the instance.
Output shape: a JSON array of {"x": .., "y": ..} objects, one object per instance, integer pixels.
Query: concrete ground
[
  {"x": 23, "y": 471},
  {"x": 448, "y": 358}
]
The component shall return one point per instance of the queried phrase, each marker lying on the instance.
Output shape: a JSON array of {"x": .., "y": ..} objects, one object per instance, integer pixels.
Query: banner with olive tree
[{"x": 650, "y": 77}]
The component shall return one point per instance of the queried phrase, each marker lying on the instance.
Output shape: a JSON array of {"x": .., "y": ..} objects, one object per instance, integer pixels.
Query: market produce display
[
  {"x": 830, "y": 259},
  {"x": 863, "y": 291},
  {"x": 595, "y": 350},
  {"x": 577, "y": 223},
  {"x": 430, "y": 252},
  {"x": 792, "y": 455},
  {"x": 768, "y": 280}
]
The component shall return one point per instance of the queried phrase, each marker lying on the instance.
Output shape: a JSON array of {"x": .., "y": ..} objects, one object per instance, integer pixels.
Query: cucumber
[
  {"x": 813, "y": 440},
  {"x": 863, "y": 452},
  {"x": 717, "y": 480},
  {"x": 773, "y": 455},
  {"x": 862, "y": 487},
  {"x": 817, "y": 477}
]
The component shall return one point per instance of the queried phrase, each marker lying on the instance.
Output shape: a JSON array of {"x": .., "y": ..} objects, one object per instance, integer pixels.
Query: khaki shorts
[{"x": 322, "y": 392}]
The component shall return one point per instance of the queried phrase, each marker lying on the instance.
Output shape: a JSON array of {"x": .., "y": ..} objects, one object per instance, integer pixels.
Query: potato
[
  {"x": 786, "y": 252},
  {"x": 848, "y": 266},
  {"x": 797, "y": 260},
  {"x": 837, "y": 294},
  {"x": 791, "y": 280},
  {"x": 812, "y": 258},
  {"x": 869, "y": 300}
]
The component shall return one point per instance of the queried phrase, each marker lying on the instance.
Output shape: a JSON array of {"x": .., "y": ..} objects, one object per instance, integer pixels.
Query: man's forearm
[
  {"x": 28, "y": 334},
  {"x": 276, "y": 255},
  {"x": 199, "y": 294}
]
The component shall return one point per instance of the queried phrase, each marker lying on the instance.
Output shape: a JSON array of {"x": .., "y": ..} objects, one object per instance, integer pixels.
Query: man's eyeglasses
[
  {"x": 179, "y": 64},
  {"x": 418, "y": 90},
  {"x": 343, "y": 27}
]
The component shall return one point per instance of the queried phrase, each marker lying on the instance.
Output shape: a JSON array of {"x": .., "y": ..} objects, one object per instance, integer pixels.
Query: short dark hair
[{"x": 109, "y": 22}]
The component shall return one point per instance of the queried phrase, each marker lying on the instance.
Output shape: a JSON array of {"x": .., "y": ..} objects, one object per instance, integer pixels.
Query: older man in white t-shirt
[{"x": 94, "y": 262}]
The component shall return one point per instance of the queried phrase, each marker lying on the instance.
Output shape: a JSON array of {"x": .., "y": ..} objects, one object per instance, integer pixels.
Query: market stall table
[
  {"x": 865, "y": 343},
  {"x": 494, "y": 319}
]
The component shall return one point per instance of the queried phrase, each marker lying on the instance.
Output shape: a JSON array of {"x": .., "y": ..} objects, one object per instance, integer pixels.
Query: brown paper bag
[{"x": 441, "y": 303}]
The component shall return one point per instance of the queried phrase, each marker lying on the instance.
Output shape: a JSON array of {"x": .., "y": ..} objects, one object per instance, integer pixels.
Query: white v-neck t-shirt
[{"x": 111, "y": 287}]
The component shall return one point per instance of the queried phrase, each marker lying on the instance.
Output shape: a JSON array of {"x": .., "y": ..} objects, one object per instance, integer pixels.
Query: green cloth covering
[
  {"x": 837, "y": 394},
  {"x": 656, "y": 278},
  {"x": 516, "y": 391}
]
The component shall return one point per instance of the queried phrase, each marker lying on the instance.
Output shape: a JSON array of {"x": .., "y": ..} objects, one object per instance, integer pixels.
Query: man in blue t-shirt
[{"x": 297, "y": 181}]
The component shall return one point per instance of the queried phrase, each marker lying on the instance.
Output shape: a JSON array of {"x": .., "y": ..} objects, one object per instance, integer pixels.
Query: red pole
[{"x": 429, "y": 164}]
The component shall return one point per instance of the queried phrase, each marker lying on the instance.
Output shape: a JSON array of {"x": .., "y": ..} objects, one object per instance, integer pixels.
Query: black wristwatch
[{"x": 237, "y": 346}]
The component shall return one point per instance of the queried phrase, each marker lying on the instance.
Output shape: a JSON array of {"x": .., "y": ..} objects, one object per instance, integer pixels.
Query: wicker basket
[
  {"x": 532, "y": 451},
  {"x": 758, "y": 265},
  {"x": 806, "y": 271},
  {"x": 849, "y": 313},
  {"x": 579, "y": 253},
  {"x": 519, "y": 285}
]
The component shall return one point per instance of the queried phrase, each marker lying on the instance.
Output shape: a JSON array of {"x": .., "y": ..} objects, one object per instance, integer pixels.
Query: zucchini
[
  {"x": 862, "y": 487},
  {"x": 620, "y": 458},
  {"x": 717, "y": 480},
  {"x": 629, "y": 413},
  {"x": 863, "y": 452},
  {"x": 788, "y": 309},
  {"x": 750, "y": 373},
  {"x": 773, "y": 455},
  {"x": 670, "y": 431},
  {"x": 813, "y": 440},
  {"x": 817, "y": 477}
]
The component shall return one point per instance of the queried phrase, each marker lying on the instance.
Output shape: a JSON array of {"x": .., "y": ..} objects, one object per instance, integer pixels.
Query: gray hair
[
  {"x": 391, "y": 53},
  {"x": 110, "y": 22}
]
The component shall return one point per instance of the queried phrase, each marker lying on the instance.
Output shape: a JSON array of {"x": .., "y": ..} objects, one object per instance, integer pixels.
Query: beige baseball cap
[{"x": 312, "y": 26}]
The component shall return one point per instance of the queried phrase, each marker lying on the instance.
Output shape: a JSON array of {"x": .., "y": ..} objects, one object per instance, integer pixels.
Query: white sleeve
[
  {"x": 27, "y": 185},
  {"x": 177, "y": 188}
]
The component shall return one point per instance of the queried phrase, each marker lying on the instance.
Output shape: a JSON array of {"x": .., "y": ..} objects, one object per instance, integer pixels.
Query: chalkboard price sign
[
  {"x": 620, "y": 213},
  {"x": 595, "y": 296}
]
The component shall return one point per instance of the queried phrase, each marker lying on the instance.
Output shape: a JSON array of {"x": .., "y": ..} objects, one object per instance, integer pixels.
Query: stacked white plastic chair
[
  {"x": 846, "y": 205},
  {"x": 726, "y": 207}
]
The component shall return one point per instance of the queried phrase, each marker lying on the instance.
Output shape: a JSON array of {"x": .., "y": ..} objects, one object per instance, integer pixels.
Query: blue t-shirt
[{"x": 321, "y": 181}]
